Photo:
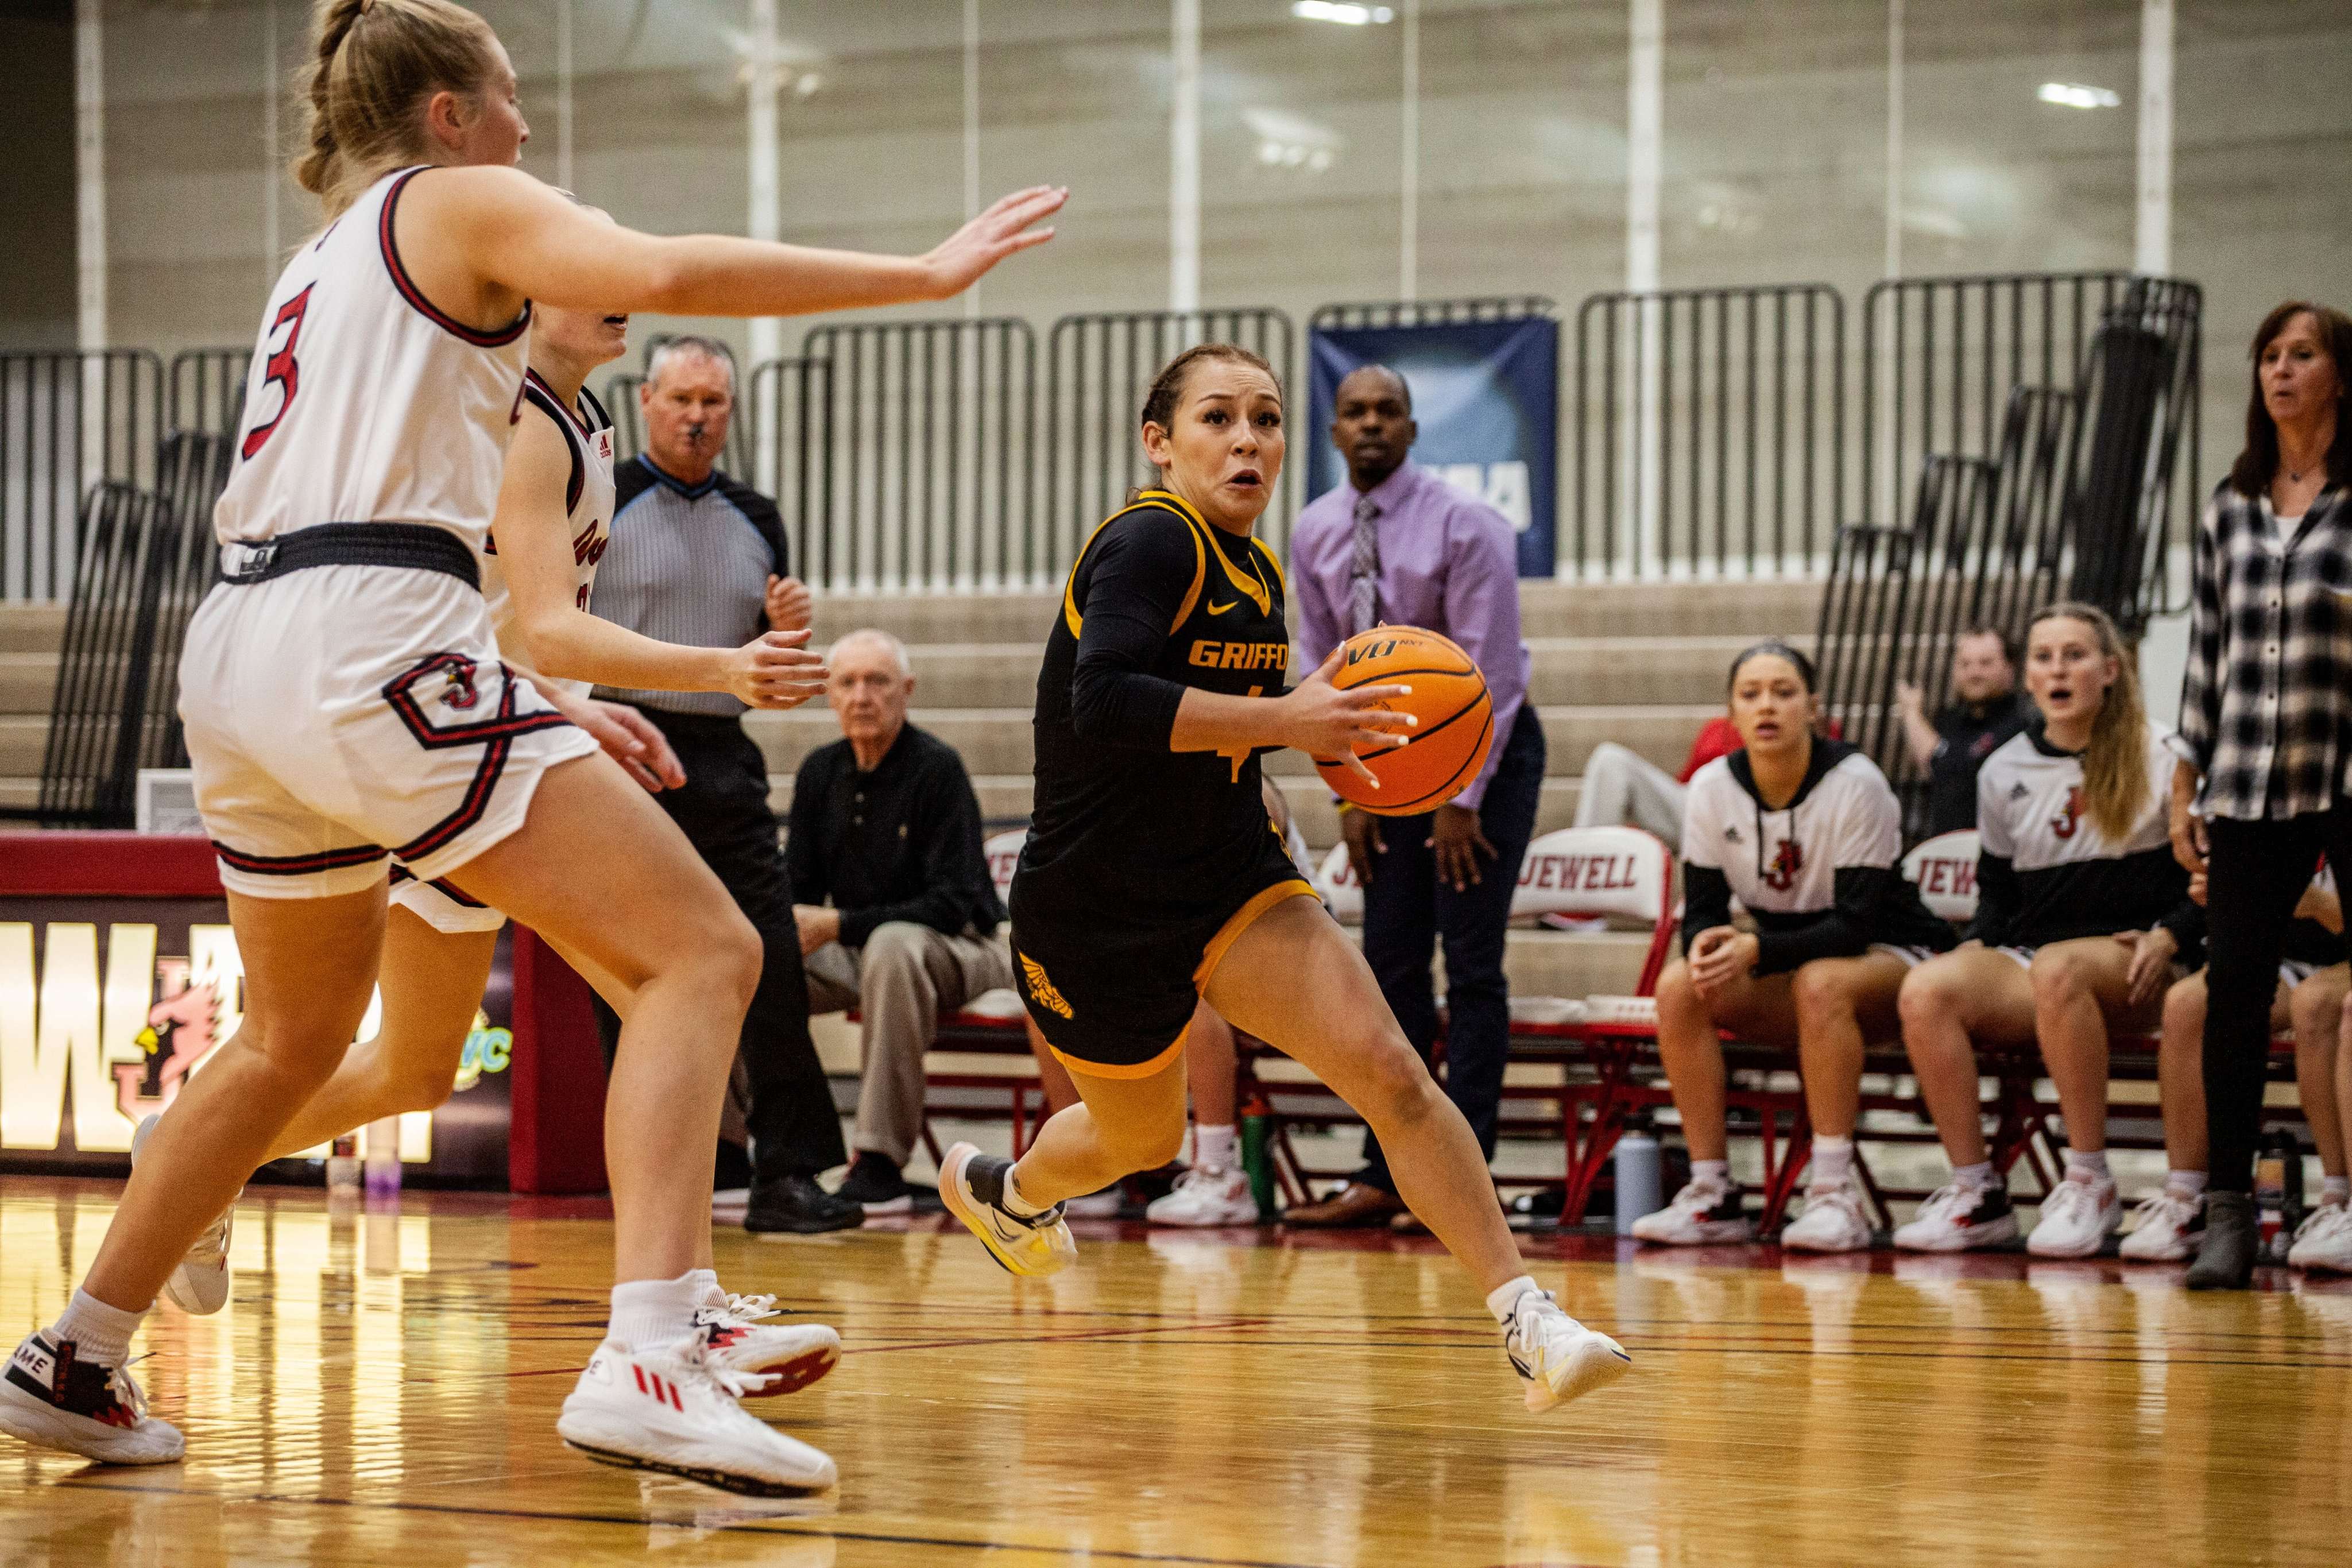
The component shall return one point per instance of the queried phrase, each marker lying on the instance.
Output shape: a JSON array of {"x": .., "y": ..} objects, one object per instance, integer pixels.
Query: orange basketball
[{"x": 1449, "y": 746}]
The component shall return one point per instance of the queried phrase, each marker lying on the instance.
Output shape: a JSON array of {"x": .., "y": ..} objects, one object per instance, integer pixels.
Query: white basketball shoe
[
  {"x": 1557, "y": 1357},
  {"x": 775, "y": 1358},
  {"x": 1704, "y": 1214},
  {"x": 200, "y": 1283},
  {"x": 2171, "y": 1225},
  {"x": 2077, "y": 1219},
  {"x": 672, "y": 1408},
  {"x": 51, "y": 1398},
  {"x": 1833, "y": 1221},
  {"x": 1206, "y": 1195}
]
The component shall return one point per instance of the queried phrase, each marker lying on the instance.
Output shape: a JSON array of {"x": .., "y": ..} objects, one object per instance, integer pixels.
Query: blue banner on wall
[{"x": 1486, "y": 397}]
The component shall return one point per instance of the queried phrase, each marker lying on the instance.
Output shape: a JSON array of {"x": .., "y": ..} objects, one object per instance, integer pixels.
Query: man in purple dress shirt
[{"x": 1398, "y": 545}]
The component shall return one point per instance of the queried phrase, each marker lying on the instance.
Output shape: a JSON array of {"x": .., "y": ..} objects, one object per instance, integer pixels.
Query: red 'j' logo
[
  {"x": 2066, "y": 823},
  {"x": 1787, "y": 861}
]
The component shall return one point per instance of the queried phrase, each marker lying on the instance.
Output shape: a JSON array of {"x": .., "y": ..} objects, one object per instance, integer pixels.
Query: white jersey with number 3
[
  {"x": 587, "y": 503},
  {"x": 363, "y": 401}
]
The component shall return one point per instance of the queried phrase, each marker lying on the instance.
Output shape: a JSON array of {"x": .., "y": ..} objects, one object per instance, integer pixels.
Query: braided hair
[{"x": 374, "y": 66}]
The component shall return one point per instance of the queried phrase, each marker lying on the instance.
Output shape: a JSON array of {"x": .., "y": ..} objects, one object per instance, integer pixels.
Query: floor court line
[{"x": 777, "y": 1527}]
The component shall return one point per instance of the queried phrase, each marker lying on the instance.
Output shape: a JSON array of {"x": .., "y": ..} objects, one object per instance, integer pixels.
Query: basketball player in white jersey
[
  {"x": 345, "y": 706},
  {"x": 538, "y": 569}
]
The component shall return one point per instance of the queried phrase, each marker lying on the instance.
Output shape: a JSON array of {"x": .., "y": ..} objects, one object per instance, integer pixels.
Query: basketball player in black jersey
[{"x": 1151, "y": 878}]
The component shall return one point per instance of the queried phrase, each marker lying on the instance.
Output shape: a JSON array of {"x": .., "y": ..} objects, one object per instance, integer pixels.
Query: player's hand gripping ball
[{"x": 1449, "y": 745}]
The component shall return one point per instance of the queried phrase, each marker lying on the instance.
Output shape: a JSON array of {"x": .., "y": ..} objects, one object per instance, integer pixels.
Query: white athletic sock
[
  {"x": 1833, "y": 1161},
  {"x": 99, "y": 1333},
  {"x": 2088, "y": 1167},
  {"x": 1978, "y": 1176},
  {"x": 1503, "y": 1298},
  {"x": 1015, "y": 1204},
  {"x": 1718, "y": 1172},
  {"x": 1213, "y": 1146},
  {"x": 2336, "y": 1189},
  {"x": 651, "y": 1313},
  {"x": 708, "y": 1290},
  {"x": 2187, "y": 1183}
]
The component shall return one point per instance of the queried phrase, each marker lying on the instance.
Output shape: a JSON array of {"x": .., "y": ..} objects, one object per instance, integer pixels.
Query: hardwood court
[{"x": 382, "y": 1389}]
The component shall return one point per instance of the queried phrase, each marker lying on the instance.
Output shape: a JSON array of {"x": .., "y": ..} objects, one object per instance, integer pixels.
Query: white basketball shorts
[
  {"x": 344, "y": 716},
  {"x": 442, "y": 904}
]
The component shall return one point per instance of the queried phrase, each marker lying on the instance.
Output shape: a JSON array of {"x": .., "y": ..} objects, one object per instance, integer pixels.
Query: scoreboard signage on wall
[{"x": 107, "y": 1005}]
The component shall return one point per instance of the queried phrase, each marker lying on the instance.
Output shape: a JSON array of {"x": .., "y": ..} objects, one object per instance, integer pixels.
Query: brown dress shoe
[{"x": 1354, "y": 1205}]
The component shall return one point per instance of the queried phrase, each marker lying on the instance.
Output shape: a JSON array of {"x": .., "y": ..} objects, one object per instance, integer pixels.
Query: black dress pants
[
  {"x": 1408, "y": 909},
  {"x": 723, "y": 810},
  {"x": 2256, "y": 873}
]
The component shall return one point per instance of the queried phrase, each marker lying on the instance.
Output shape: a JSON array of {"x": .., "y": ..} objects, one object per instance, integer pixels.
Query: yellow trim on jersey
[
  {"x": 1255, "y": 586},
  {"x": 1265, "y": 898},
  {"x": 1132, "y": 1070},
  {"x": 1070, "y": 616}
]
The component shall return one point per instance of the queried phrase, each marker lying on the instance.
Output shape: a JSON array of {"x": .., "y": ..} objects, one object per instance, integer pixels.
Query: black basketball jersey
[{"x": 1124, "y": 827}]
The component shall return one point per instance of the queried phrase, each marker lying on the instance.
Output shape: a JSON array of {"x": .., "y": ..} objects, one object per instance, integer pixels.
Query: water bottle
[
  {"x": 2278, "y": 1192},
  {"x": 383, "y": 1160},
  {"x": 1638, "y": 1178},
  {"x": 1257, "y": 1158},
  {"x": 343, "y": 1166}
]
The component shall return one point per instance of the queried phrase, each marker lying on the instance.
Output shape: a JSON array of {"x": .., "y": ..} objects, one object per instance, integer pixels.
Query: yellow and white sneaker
[
  {"x": 1557, "y": 1357},
  {"x": 972, "y": 1185}
]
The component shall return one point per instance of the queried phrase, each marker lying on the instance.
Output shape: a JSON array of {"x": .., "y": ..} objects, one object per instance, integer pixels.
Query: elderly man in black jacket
[{"x": 885, "y": 824}]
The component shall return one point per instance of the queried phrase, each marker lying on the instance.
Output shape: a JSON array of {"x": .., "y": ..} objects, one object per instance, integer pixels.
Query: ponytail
[
  {"x": 2115, "y": 765},
  {"x": 374, "y": 66}
]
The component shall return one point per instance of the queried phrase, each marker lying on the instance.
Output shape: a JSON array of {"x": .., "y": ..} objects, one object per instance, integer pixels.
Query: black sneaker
[
  {"x": 875, "y": 1185},
  {"x": 797, "y": 1205},
  {"x": 52, "y": 1397}
]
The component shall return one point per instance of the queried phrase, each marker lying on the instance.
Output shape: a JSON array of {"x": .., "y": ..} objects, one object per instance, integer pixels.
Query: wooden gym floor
[{"x": 383, "y": 1390}]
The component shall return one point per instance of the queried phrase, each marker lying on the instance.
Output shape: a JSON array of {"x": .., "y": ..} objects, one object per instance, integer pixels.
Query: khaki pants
[{"x": 900, "y": 981}]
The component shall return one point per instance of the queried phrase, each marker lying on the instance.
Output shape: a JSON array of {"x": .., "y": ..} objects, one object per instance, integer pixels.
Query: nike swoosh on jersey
[{"x": 1221, "y": 609}]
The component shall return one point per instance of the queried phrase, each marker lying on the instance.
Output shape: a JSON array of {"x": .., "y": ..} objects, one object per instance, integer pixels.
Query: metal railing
[
  {"x": 929, "y": 439},
  {"x": 1428, "y": 312},
  {"x": 208, "y": 388},
  {"x": 1940, "y": 356},
  {"x": 69, "y": 421},
  {"x": 1704, "y": 431},
  {"x": 792, "y": 458},
  {"x": 1097, "y": 370},
  {"x": 1706, "y": 427},
  {"x": 2073, "y": 503}
]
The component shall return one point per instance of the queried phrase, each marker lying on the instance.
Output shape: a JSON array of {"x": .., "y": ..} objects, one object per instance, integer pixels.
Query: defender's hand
[
  {"x": 776, "y": 670},
  {"x": 957, "y": 262},
  {"x": 630, "y": 739}
]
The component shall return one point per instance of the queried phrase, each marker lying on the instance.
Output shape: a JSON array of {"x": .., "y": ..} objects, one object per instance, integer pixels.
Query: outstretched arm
[
  {"x": 481, "y": 240},
  {"x": 533, "y": 533}
]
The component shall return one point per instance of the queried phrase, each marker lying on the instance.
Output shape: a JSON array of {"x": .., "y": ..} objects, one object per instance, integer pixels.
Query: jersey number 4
[{"x": 279, "y": 370}]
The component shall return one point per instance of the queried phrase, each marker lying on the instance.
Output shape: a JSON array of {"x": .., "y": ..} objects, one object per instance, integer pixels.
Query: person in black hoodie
[
  {"x": 2082, "y": 921},
  {"x": 1807, "y": 834}
]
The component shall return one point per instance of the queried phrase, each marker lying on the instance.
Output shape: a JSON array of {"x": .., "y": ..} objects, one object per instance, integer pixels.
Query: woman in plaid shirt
[{"x": 2264, "y": 785}]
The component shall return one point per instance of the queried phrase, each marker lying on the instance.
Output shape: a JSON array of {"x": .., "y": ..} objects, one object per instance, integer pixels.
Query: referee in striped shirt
[{"x": 699, "y": 559}]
